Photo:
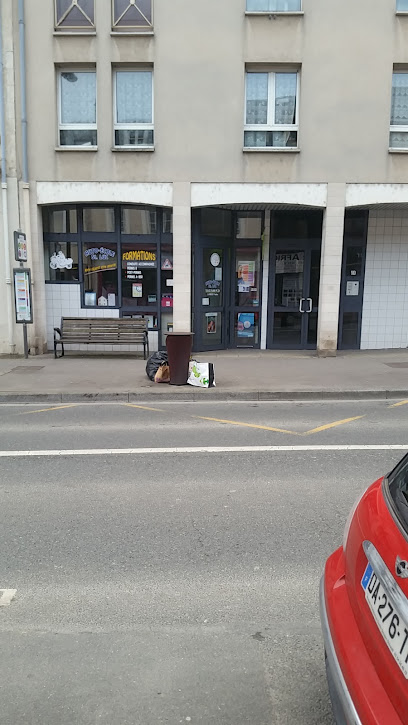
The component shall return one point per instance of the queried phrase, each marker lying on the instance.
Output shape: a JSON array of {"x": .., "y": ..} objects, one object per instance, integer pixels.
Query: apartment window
[
  {"x": 271, "y": 110},
  {"x": 74, "y": 15},
  {"x": 399, "y": 111},
  {"x": 273, "y": 6},
  {"x": 77, "y": 109},
  {"x": 402, "y": 6},
  {"x": 134, "y": 16},
  {"x": 134, "y": 109}
]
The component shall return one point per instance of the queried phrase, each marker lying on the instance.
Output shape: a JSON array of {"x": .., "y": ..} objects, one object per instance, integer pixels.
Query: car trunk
[{"x": 378, "y": 596}]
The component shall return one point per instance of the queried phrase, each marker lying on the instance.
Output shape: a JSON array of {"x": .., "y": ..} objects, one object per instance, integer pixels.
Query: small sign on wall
[
  {"x": 20, "y": 247},
  {"x": 352, "y": 289}
]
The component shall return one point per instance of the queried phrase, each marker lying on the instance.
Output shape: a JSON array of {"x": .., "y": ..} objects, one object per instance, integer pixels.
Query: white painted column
[
  {"x": 181, "y": 257},
  {"x": 330, "y": 270},
  {"x": 265, "y": 279}
]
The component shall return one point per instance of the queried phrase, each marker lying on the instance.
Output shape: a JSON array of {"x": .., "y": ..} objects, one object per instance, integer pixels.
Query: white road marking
[
  {"x": 198, "y": 449},
  {"x": 6, "y": 595}
]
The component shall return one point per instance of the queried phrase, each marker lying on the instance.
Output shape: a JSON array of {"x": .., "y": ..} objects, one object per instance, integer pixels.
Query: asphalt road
[{"x": 175, "y": 587}]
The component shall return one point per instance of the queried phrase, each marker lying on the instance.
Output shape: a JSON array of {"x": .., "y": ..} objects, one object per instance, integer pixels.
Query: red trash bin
[{"x": 179, "y": 346}]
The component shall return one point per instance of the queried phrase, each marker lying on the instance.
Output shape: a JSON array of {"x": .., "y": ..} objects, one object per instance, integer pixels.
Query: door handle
[
  {"x": 302, "y": 299},
  {"x": 310, "y": 301}
]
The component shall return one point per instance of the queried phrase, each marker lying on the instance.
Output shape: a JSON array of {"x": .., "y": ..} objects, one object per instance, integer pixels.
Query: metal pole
[
  {"x": 4, "y": 195},
  {"x": 25, "y": 338}
]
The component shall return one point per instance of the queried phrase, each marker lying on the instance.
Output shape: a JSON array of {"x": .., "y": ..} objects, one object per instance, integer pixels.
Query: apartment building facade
[{"x": 238, "y": 169}]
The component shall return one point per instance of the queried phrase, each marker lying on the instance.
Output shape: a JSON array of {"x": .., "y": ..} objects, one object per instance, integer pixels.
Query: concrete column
[
  {"x": 330, "y": 270},
  {"x": 265, "y": 279},
  {"x": 181, "y": 257}
]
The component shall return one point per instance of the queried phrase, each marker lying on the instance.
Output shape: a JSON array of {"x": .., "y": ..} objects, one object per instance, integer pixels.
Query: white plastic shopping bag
[{"x": 201, "y": 374}]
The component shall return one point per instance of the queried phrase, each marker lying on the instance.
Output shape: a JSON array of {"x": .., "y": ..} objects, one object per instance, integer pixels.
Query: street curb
[{"x": 199, "y": 395}]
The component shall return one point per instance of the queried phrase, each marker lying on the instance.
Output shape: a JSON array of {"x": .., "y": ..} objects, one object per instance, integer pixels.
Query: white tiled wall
[
  {"x": 64, "y": 300},
  {"x": 385, "y": 302}
]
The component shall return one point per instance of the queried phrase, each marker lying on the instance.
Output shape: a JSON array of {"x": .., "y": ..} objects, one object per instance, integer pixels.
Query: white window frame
[
  {"x": 270, "y": 125},
  {"x": 275, "y": 12},
  {"x": 74, "y": 28},
  {"x": 397, "y": 129},
  {"x": 132, "y": 29},
  {"x": 132, "y": 126},
  {"x": 76, "y": 126}
]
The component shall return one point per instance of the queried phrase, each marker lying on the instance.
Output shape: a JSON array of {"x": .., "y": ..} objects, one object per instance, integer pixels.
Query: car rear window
[{"x": 398, "y": 488}]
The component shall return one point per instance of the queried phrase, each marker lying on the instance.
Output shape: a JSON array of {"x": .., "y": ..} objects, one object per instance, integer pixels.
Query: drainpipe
[
  {"x": 10, "y": 321},
  {"x": 21, "y": 27}
]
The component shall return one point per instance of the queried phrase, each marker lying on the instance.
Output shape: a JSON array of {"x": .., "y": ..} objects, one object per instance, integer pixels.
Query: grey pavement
[
  {"x": 181, "y": 587},
  {"x": 245, "y": 374}
]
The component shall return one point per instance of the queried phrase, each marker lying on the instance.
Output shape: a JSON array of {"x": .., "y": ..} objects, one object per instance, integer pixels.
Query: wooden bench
[{"x": 101, "y": 331}]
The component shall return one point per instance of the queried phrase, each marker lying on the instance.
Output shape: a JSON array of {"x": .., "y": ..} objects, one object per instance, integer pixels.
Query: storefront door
[
  {"x": 211, "y": 290},
  {"x": 227, "y": 296},
  {"x": 294, "y": 296}
]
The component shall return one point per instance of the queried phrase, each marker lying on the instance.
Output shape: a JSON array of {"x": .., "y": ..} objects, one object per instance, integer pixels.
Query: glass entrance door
[
  {"x": 227, "y": 296},
  {"x": 295, "y": 294},
  {"x": 211, "y": 310}
]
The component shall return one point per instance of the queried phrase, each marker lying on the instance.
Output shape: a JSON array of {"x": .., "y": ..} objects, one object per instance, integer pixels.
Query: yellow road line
[
  {"x": 248, "y": 425},
  {"x": 332, "y": 425},
  {"x": 143, "y": 407},
  {"x": 45, "y": 410},
  {"x": 396, "y": 405}
]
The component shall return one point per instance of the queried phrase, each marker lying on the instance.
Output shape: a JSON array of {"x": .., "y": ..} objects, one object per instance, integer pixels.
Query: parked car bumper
[
  {"x": 343, "y": 707},
  {"x": 357, "y": 693}
]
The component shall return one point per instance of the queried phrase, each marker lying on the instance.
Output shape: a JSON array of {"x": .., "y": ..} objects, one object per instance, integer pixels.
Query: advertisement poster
[
  {"x": 137, "y": 290},
  {"x": 211, "y": 322},
  {"x": 246, "y": 324},
  {"x": 245, "y": 275},
  {"x": 22, "y": 295}
]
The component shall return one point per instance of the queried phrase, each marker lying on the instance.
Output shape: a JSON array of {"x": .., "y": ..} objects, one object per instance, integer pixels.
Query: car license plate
[{"x": 389, "y": 621}]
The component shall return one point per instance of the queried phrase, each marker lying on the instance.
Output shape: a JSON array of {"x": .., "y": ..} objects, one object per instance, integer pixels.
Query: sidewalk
[{"x": 246, "y": 375}]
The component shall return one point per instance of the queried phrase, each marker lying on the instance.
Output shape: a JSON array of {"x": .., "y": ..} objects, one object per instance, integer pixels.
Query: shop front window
[
  {"x": 61, "y": 262},
  {"x": 249, "y": 225},
  {"x": 99, "y": 219},
  {"x": 167, "y": 221},
  {"x": 100, "y": 263},
  {"x": 138, "y": 220},
  {"x": 139, "y": 275},
  {"x": 216, "y": 222},
  {"x": 60, "y": 221}
]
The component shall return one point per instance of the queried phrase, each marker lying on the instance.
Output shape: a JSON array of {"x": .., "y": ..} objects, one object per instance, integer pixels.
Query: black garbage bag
[{"x": 154, "y": 362}]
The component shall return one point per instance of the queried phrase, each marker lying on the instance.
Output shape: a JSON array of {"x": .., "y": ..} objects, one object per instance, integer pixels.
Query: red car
[{"x": 364, "y": 608}]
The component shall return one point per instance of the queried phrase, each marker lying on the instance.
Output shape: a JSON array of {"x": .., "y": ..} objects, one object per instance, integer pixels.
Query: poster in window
[
  {"x": 137, "y": 289},
  {"x": 22, "y": 293},
  {"x": 246, "y": 324},
  {"x": 289, "y": 262},
  {"x": 211, "y": 319},
  {"x": 245, "y": 275}
]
